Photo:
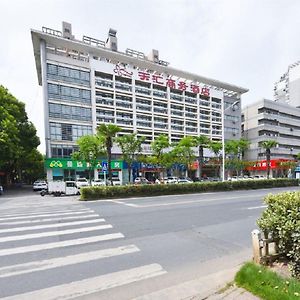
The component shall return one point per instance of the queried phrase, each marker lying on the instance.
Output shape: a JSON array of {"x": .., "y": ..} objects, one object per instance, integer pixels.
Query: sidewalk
[{"x": 232, "y": 293}]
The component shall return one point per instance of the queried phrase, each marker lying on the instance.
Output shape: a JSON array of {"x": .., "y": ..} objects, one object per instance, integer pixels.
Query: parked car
[
  {"x": 98, "y": 182},
  {"x": 259, "y": 177},
  {"x": 171, "y": 180},
  {"x": 184, "y": 180},
  {"x": 1, "y": 190},
  {"x": 40, "y": 185},
  {"x": 81, "y": 182},
  {"x": 141, "y": 180}
]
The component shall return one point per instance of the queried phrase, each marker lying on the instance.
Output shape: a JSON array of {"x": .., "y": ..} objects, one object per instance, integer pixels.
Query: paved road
[{"x": 168, "y": 247}]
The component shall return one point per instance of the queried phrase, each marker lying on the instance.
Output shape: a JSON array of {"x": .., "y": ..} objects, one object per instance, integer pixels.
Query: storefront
[
  {"x": 68, "y": 169},
  {"x": 278, "y": 168}
]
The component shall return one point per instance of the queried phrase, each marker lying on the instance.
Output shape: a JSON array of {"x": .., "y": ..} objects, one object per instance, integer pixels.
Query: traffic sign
[{"x": 104, "y": 165}]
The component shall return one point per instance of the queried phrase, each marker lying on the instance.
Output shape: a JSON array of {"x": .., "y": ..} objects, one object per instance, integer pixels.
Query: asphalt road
[{"x": 138, "y": 248}]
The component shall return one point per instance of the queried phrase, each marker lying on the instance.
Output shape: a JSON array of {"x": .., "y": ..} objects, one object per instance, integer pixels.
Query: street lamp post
[{"x": 223, "y": 135}]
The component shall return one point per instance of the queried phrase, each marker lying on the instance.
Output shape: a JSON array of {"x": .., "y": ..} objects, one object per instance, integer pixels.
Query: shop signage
[
  {"x": 69, "y": 164},
  {"x": 262, "y": 165}
]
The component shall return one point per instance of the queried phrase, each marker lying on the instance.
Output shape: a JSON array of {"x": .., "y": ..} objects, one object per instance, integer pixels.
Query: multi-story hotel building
[{"x": 87, "y": 82}]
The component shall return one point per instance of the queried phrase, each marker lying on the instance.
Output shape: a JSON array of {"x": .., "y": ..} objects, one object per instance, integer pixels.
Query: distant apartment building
[
  {"x": 271, "y": 120},
  {"x": 88, "y": 82},
  {"x": 287, "y": 89}
]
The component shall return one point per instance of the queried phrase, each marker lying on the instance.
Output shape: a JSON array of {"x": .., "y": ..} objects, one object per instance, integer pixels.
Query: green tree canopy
[
  {"x": 131, "y": 147},
  {"x": 18, "y": 139},
  {"x": 91, "y": 147}
]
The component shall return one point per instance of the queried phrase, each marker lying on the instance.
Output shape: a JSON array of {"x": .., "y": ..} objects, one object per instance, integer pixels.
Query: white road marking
[
  {"x": 45, "y": 212},
  {"x": 257, "y": 207},
  {"x": 50, "y": 219},
  {"x": 44, "y": 215},
  {"x": 52, "y": 233},
  {"x": 56, "y": 225},
  {"x": 35, "y": 266},
  {"x": 75, "y": 242},
  {"x": 92, "y": 285},
  {"x": 180, "y": 202}
]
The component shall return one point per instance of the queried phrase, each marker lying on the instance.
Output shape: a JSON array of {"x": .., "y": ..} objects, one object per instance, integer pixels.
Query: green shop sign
[{"x": 69, "y": 164}]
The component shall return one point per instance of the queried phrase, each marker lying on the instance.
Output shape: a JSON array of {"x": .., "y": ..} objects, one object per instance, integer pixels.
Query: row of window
[
  {"x": 68, "y": 132},
  {"x": 63, "y": 150},
  {"x": 70, "y": 112},
  {"x": 68, "y": 74},
  {"x": 61, "y": 92}
]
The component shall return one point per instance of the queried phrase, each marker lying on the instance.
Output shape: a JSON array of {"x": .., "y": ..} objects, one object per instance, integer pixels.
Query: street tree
[
  {"x": 202, "y": 142},
  {"x": 183, "y": 152},
  {"x": 91, "y": 147},
  {"x": 131, "y": 147},
  {"x": 268, "y": 145},
  {"x": 216, "y": 147},
  {"x": 160, "y": 154},
  {"x": 108, "y": 132}
]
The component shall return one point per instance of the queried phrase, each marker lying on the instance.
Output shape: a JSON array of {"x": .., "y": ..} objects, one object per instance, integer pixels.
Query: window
[
  {"x": 70, "y": 112},
  {"x": 66, "y": 93},
  {"x": 61, "y": 73}
]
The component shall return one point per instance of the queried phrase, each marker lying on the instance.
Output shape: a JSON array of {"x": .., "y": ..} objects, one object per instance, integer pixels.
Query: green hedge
[
  {"x": 99, "y": 192},
  {"x": 281, "y": 219}
]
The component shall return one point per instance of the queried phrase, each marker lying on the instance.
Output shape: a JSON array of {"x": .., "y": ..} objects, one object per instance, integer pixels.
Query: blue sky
[{"x": 249, "y": 43}]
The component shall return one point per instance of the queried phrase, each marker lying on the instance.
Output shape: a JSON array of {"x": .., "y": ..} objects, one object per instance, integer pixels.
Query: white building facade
[
  {"x": 89, "y": 82},
  {"x": 270, "y": 120},
  {"x": 287, "y": 89}
]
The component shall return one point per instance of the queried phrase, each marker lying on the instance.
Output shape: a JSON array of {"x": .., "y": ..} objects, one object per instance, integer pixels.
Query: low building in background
[
  {"x": 271, "y": 120},
  {"x": 88, "y": 82}
]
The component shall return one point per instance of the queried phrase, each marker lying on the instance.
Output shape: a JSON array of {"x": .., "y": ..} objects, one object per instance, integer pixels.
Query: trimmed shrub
[
  {"x": 100, "y": 192},
  {"x": 281, "y": 219}
]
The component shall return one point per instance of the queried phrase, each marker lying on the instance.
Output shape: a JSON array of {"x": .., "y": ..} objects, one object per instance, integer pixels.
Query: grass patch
[{"x": 266, "y": 284}]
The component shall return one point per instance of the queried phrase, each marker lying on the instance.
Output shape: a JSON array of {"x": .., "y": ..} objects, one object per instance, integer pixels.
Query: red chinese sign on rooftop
[{"x": 181, "y": 85}]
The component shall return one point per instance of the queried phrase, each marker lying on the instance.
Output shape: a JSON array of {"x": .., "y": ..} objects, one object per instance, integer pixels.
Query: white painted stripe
[
  {"x": 50, "y": 220},
  {"x": 51, "y": 233},
  {"x": 35, "y": 266},
  {"x": 40, "y": 247},
  {"x": 92, "y": 285},
  {"x": 56, "y": 225},
  {"x": 257, "y": 207},
  {"x": 45, "y": 215},
  {"x": 44, "y": 212},
  {"x": 179, "y": 202}
]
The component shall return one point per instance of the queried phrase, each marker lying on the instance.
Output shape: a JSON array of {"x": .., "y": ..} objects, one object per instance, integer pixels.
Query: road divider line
[
  {"x": 35, "y": 266},
  {"x": 52, "y": 233},
  {"x": 56, "y": 225},
  {"x": 50, "y": 220},
  {"x": 257, "y": 207},
  {"x": 92, "y": 285},
  {"x": 61, "y": 244}
]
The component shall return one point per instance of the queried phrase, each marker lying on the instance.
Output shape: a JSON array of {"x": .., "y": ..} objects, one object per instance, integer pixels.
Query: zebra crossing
[{"x": 59, "y": 249}]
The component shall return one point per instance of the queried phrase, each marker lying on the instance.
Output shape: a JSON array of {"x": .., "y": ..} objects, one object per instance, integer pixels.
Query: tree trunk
[
  {"x": 109, "y": 165},
  {"x": 268, "y": 156},
  {"x": 129, "y": 173},
  {"x": 200, "y": 161}
]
